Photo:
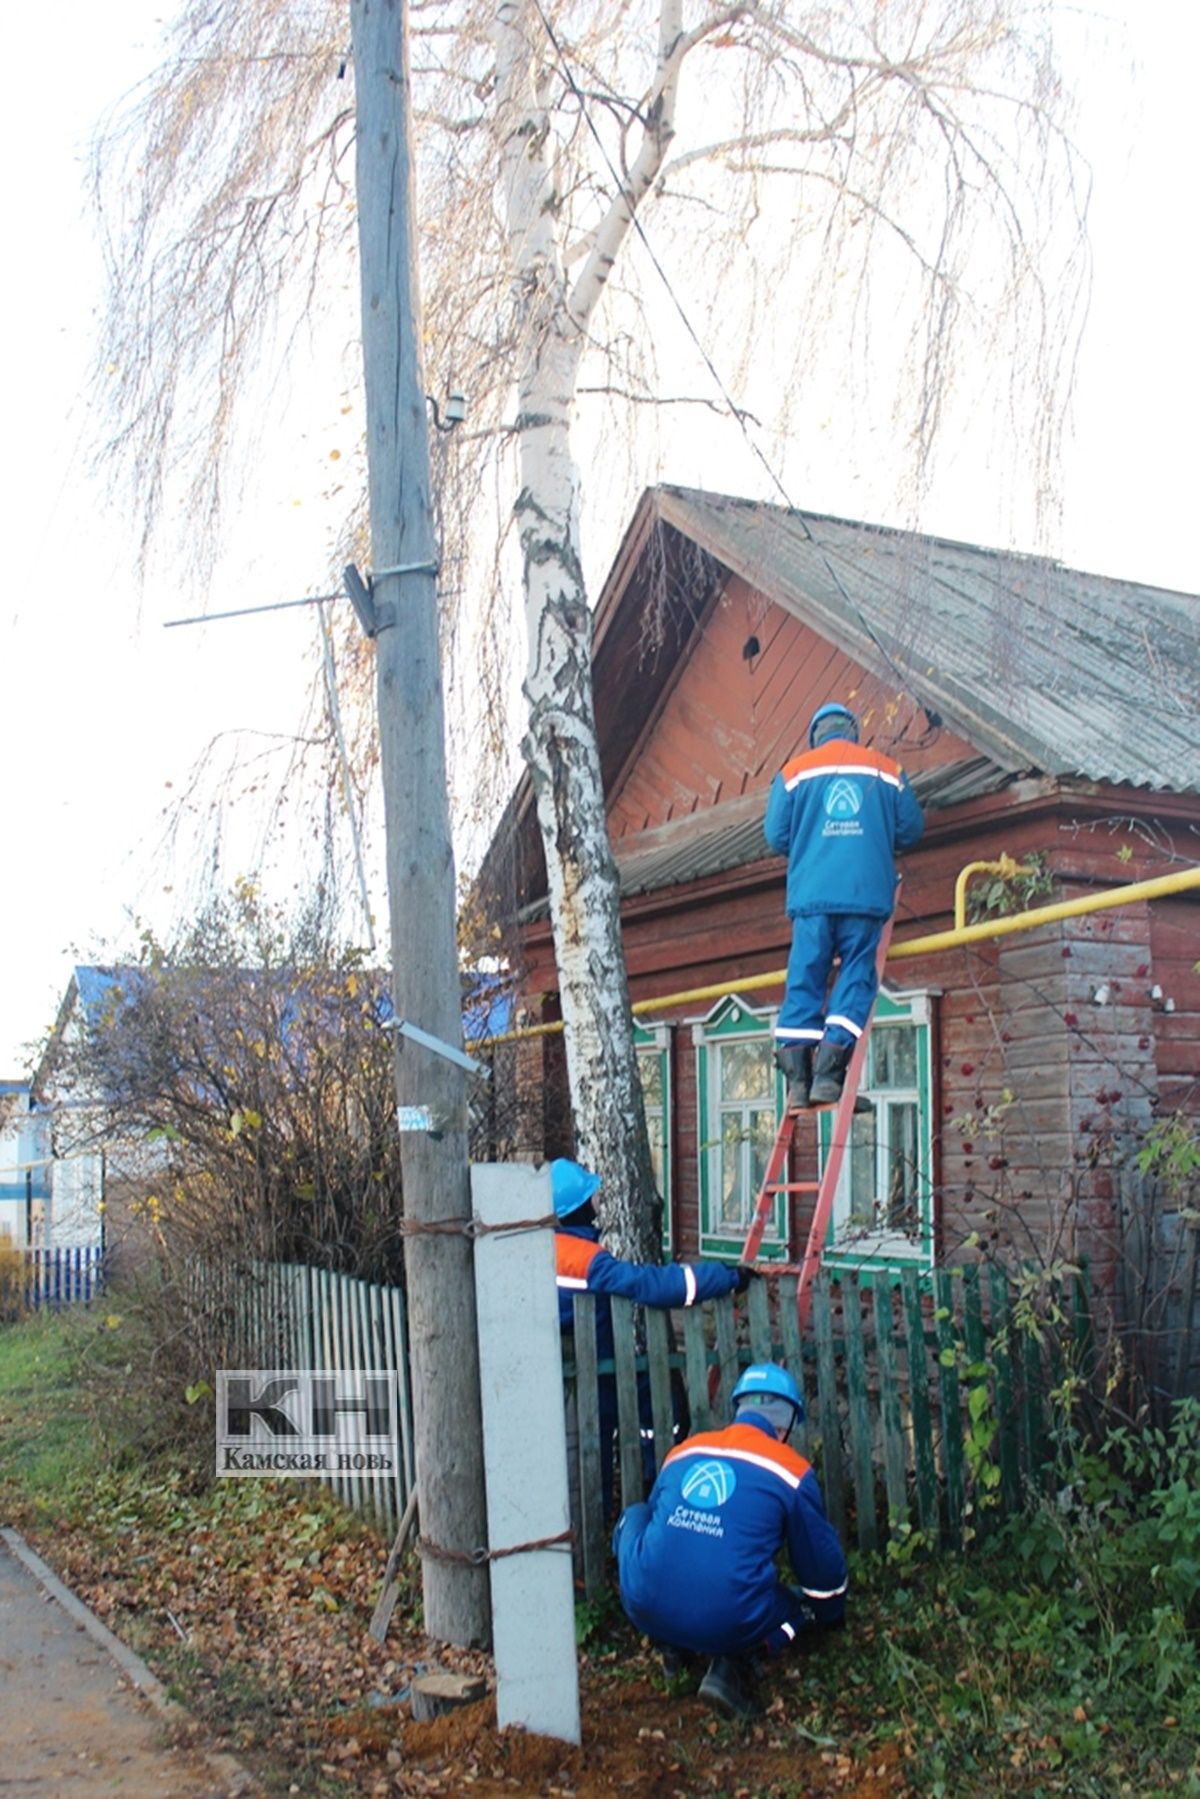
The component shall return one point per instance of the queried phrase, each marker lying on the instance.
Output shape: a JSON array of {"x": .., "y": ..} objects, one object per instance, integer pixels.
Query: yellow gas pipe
[{"x": 1184, "y": 881}]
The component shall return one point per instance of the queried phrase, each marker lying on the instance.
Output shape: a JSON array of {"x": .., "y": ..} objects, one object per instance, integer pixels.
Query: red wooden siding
[{"x": 727, "y": 724}]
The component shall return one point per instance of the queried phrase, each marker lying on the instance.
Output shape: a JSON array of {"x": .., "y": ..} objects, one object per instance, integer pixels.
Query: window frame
[
  {"x": 732, "y": 1020},
  {"x": 888, "y": 1250},
  {"x": 650, "y": 1040}
]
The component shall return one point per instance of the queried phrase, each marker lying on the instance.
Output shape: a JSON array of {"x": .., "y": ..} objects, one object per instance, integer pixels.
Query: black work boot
[
  {"x": 678, "y": 1663},
  {"x": 726, "y": 1687},
  {"x": 829, "y": 1073},
  {"x": 794, "y": 1062}
]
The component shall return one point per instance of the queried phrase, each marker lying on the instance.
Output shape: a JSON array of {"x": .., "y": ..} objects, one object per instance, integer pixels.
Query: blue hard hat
[
  {"x": 767, "y": 1380},
  {"x": 572, "y": 1186},
  {"x": 834, "y": 710}
]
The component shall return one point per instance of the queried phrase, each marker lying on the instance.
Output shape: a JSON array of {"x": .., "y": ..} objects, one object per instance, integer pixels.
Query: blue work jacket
[
  {"x": 585, "y": 1266},
  {"x": 699, "y": 1571},
  {"x": 839, "y": 814}
]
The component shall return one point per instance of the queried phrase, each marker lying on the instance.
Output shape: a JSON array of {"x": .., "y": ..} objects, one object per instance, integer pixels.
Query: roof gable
[
  {"x": 1038, "y": 666},
  {"x": 1027, "y": 667}
]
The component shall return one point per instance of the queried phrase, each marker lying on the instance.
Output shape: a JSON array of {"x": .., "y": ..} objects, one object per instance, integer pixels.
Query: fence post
[
  {"x": 761, "y": 1346},
  {"x": 629, "y": 1423},
  {"x": 590, "y": 1460},
  {"x": 793, "y": 1354},
  {"x": 1001, "y": 1341},
  {"x": 728, "y": 1360},
  {"x": 924, "y": 1463},
  {"x": 894, "y": 1456},
  {"x": 695, "y": 1355},
  {"x": 658, "y": 1359},
  {"x": 952, "y": 1438},
  {"x": 833, "y": 1483},
  {"x": 862, "y": 1460}
]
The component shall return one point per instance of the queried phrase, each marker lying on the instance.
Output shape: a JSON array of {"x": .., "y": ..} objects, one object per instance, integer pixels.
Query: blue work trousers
[
  {"x": 788, "y": 1616},
  {"x": 817, "y": 938}
]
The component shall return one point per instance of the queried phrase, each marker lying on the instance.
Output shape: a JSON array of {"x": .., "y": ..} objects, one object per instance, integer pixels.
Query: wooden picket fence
[
  {"x": 929, "y": 1403},
  {"x": 261, "y": 1315}
]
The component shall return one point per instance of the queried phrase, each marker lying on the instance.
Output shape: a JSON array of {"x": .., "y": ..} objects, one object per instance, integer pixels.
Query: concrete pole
[
  {"x": 524, "y": 1432},
  {"x": 420, "y": 857}
]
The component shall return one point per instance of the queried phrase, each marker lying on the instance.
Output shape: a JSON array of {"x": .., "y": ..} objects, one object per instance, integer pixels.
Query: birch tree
[{"x": 909, "y": 154}]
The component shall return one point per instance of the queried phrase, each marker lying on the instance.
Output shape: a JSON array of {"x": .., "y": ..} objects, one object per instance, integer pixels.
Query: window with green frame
[
  {"x": 739, "y": 1104},
  {"x": 883, "y": 1205},
  {"x": 652, "y": 1043}
]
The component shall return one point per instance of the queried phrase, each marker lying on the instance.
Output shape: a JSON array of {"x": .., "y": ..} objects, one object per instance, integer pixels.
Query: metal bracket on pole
[
  {"x": 372, "y": 617},
  {"x": 445, "y": 1050}
]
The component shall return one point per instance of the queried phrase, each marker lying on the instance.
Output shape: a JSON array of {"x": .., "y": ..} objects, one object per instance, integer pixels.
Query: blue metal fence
[{"x": 63, "y": 1277}]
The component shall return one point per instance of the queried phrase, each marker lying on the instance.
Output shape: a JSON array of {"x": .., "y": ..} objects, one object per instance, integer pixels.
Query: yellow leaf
[{"x": 112, "y": 1321}]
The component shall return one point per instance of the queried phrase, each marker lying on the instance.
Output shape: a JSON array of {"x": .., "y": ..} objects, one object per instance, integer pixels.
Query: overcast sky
[{"x": 105, "y": 711}]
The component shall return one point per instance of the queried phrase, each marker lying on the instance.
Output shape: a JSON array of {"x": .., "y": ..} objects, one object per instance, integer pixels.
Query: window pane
[
  {"x": 762, "y": 1142},
  {"x": 650, "y": 1068},
  {"x": 863, "y": 1185},
  {"x": 732, "y": 1210},
  {"x": 894, "y": 1056},
  {"x": 745, "y": 1072},
  {"x": 903, "y": 1211}
]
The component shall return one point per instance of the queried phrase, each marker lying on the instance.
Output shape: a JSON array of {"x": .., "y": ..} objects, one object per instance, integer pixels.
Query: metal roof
[
  {"x": 731, "y": 836},
  {"x": 1039, "y": 666}
]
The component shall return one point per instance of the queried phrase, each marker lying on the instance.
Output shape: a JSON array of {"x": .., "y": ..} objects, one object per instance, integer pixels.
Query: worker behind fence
[
  {"x": 697, "y": 1560},
  {"x": 839, "y": 813},
  {"x": 585, "y": 1266}
]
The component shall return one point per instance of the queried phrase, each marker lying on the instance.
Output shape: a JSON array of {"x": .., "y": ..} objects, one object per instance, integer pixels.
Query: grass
[{"x": 50, "y": 1450}]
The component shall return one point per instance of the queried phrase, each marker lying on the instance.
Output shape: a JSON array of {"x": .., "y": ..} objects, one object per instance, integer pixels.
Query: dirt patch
[{"x": 636, "y": 1740}]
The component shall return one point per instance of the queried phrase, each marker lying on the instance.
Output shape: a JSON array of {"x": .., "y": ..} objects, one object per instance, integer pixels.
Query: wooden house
[{"x": 1041, "y": 713}]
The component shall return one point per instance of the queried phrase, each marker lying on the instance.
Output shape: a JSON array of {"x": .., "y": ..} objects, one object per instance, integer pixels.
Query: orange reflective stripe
[
  {"x": 839, "y": 758},
  {"x": 747, "y": 1443},
  {"x": 573, "y": 1256}
]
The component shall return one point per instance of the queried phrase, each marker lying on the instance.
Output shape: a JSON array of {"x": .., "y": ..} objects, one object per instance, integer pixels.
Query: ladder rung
[{"x": 792, "y": 1187}]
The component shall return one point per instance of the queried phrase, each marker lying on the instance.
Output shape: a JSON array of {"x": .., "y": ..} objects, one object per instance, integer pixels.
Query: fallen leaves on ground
[{"x": 251, "y": 1601}]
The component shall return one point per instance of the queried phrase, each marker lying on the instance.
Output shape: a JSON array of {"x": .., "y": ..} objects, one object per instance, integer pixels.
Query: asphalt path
[{"x": 79, "y": 1712}]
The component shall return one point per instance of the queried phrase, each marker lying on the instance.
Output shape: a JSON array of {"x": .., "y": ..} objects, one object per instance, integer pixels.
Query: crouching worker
[
  {"x": 697, "y": 1560},
  {"x": 584, "y": 1266}
]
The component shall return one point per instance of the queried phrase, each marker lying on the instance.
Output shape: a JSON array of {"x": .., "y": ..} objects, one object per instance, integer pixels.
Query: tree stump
[{"x": 433, "y": 1694}]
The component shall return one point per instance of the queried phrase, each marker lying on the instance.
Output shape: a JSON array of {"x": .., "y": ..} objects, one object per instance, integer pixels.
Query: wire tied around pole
[
  {"x": 472, "y": 1227},
  {"x": 479, "y": 1558}
]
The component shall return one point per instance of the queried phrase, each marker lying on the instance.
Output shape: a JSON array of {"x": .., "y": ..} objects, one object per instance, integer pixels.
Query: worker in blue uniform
[
  {"x": 583, "y": 1265},
  {"x": 839, "y": 813},
  {"x": 697, "y": 1560}
]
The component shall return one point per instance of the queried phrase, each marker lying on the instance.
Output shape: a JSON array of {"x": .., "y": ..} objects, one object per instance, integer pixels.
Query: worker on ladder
[{"x": 839, "y": 813}]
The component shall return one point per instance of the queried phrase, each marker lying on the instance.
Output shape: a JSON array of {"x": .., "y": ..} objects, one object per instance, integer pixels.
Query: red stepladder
[{"x": 826, "y": 1186}]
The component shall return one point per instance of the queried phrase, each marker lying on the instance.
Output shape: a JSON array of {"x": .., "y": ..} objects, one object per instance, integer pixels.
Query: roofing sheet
[
  {"x": 728, "y": 837},
  {"x": 1038, "y": 665}
]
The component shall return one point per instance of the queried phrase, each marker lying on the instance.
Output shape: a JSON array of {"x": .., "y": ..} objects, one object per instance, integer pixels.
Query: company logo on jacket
[
  {"x": 709, "y": 1484},
  {"x": 844, "y": 799}
]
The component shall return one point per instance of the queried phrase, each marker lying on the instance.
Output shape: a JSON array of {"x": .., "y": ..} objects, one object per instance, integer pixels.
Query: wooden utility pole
[{"x": 420, "y": 856}]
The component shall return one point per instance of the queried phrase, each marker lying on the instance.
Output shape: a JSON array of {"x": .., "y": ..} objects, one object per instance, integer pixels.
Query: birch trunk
[{"x": 560, "y": 746}]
